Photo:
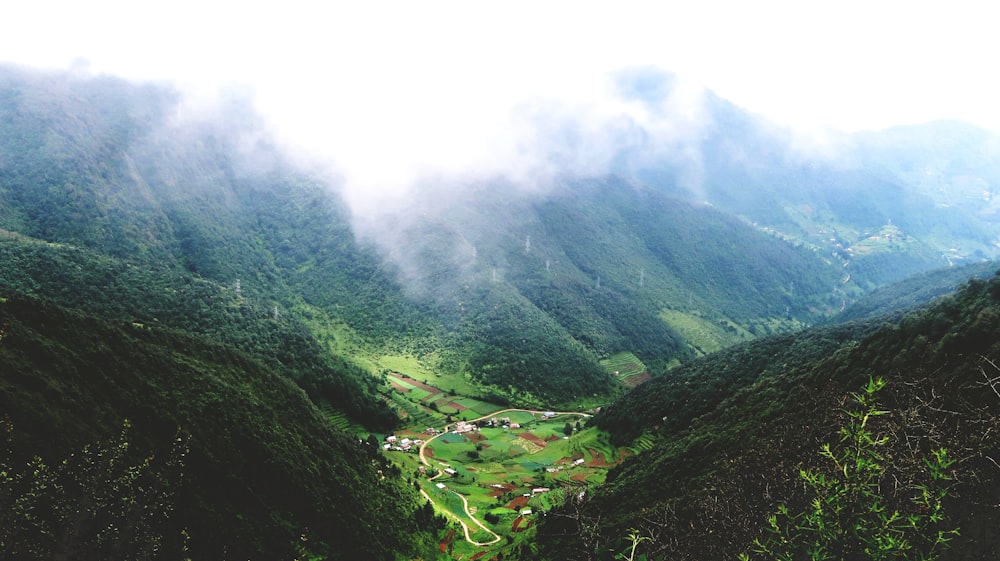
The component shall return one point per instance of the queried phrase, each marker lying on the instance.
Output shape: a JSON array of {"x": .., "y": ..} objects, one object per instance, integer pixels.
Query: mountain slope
[
  {"x": 889, "y": 203},
  {"x": 915, "y": 291},
  {"x": 520, "y": 290},
  {"x": 126, "y": 291},
  {"x": 264, "y": 466},
  {"x": 730, "y": 446}
]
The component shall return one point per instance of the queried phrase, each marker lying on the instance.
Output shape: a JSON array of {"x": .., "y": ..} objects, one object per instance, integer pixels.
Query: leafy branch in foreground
[
  {"x": 633, "y": 539},
  {"x": 101, "y": 502},
  {"x": 849, "y": 516}
]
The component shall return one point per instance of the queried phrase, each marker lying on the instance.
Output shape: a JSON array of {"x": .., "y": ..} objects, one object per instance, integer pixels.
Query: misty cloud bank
[
  {"x": 643, "y": 116},
  {"x": 401, "y": 195}
]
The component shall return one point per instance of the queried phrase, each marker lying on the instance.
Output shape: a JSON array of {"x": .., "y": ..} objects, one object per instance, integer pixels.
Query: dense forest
[
  {"x": 222, "y": 457},
  {"x": 734, "y": 430}
]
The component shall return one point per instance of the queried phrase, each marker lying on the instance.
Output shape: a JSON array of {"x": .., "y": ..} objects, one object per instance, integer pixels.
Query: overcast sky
[{"x": 433, "y": 84}]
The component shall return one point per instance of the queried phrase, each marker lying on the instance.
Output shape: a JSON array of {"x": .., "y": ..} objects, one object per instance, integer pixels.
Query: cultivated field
[{"x": 514, "y": 465}]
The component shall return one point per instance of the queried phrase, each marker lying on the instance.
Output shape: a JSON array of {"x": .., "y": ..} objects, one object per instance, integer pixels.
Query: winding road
[{"x": 465, "y": 502}]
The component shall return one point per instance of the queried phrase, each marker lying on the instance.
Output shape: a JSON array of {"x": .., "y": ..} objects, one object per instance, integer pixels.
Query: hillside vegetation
[
  {"x": 259, "y": 469},
  {"x": 733, "y": 430},
  {"x": 520, "y": 291},
  {"x": 888, "y": 204}
]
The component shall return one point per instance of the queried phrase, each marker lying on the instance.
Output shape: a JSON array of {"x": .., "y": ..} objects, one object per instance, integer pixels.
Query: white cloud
[{"x": 397, "y": 90}]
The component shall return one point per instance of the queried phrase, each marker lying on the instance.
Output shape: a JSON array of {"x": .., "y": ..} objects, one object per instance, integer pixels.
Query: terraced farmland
[
  {"x": 644, "y": 442},
  {"x": 338, "y": 418},
  {"x": 626, "y": 367}
]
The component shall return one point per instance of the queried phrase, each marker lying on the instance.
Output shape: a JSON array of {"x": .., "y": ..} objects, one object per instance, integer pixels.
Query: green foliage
[
  {"x": 264, "y": 464},
  {"x": 633, "y": 540},
  {"x": 849, "y": 516},
  {"x": 210, "y": 202},
  {"x": 673, "y": 400},
  {"x": 728, "y": 428},
  {"x": 101, "y": 502},
  {"x": 155, "y": 297},
  {"x": 915, "y": 291},
  {"x": 926, "y": 180}
]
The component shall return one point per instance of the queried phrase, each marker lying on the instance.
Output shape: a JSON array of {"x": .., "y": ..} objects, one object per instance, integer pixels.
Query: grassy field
[
  {"x": 424, "y": 371},
  {"x": 334, "y": 334},
  {"x": 887, "y": 240},
  {"x": 645, "y": 441},
  {"x": 704, "y": 335},
  {"x": 339, "y": 419},
  {"x": 477, "y": 407}
]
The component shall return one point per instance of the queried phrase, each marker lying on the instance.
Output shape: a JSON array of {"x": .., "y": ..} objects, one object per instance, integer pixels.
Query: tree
[{"x": 568, "y": 429}]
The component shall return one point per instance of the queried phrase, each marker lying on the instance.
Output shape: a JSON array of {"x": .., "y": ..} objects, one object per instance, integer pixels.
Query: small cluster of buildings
[
  {"x": 503, "y": 422},
  {"x": 463, "y": 427},
  {"x": 392, "y": 442}
]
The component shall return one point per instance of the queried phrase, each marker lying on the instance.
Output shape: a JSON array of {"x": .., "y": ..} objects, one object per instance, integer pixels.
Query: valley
[
  {"x": 494, "y": 470},
  {"x": 484, "y": 370}
]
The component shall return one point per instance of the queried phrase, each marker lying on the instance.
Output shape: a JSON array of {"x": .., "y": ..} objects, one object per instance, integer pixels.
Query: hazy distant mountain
[{"x": 889, "y": 203}]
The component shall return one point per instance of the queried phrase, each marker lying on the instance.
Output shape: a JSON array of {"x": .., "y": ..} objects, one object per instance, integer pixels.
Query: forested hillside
[
  {"x": 223, "y": 456},
  {"x": 915, "y": 291},
  {"x": 522, "y": 291},
  {"x": 733, "y": 430}
]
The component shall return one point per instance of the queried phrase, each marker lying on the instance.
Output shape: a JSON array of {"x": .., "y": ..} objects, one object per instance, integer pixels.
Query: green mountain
[
  {"x": 732, "y": 431},
  {"x": 224, "y": 456},
  {"x": 901, "y": 297},
  {"x": 522, "y": 293}
]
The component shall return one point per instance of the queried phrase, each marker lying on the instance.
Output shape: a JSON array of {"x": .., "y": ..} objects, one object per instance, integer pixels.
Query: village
[
  {"x": 493, "y": 471},
  {"x": 497, "y": 473},
  {"x": 405, "y": 444}
]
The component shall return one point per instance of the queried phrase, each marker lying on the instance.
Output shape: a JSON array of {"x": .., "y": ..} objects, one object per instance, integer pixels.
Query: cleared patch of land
[
  {"x": 704, "y": 335},
  {"x": 627, "y": 368}
]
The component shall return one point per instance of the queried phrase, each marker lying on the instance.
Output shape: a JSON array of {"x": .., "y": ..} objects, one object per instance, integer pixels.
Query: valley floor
[{"x": 494, "y": 473}]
